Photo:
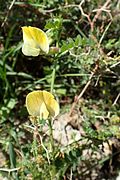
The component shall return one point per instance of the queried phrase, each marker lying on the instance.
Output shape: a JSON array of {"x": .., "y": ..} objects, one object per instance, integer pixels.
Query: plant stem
[
  {"x": 53, "y": 80},
  {"x": 51, "y": 136}
]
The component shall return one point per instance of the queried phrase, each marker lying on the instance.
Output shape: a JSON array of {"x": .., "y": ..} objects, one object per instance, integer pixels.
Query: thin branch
[
  {"x": 99, "y": 12},
  {"x": 8, "y": 12},
  {"x": 116, "y": 99},
  {"x": 63, "y": 7},
  {"x": 112, "y": 66},
  {"x": 9, "y": 170},
  {"x": 103, "y": 35},
  {"x": 84, "y": 14},
  {"x": 44, "y": 148},
  {"x": 84, "y": 89}
]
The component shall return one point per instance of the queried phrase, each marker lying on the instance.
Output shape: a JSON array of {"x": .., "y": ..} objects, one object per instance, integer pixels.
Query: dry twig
[
  {"x": 8, "y": 12},
  {"x": 84, "y": 89}
]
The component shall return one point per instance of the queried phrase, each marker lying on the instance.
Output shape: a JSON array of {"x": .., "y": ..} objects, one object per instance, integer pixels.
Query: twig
[
  {"x": 78, "y": 56},
  {"x": 84, "y": 89},
  {"x": 8, "y": 12},
  {"x": 63, "y": 7},
  {"x": 39, "y": 138},
  {"x": 103, "y": 35},
  {"x": 44, "y": 148},
  {"x": 9, "y": 170},
  {"x": 82, "y": 12},
  {"x": 116, "y": 99},
  {"x": 112, "y": 66},
  {"x": 99, "y": 12}
]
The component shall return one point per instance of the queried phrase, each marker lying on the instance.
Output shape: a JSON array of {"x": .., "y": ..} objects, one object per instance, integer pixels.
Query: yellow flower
[
  {"x": 42, "y": 104},
  {"x": 35, "y": 40}
]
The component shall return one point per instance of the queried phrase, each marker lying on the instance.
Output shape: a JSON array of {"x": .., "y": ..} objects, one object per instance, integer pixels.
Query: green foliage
[{"x": 81, "y": 42}]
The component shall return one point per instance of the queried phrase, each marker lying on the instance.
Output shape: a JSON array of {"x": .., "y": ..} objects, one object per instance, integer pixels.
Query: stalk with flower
[{"x": 40, "y": 104}]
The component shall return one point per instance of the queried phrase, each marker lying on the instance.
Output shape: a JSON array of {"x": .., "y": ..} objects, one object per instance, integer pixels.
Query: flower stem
[
  {"x": 51, "y": 136},
  {"x": 53, "y": 80}
]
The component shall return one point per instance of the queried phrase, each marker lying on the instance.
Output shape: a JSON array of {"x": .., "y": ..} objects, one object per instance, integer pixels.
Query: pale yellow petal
[
  {"x": 51, "y": 104},
  {"x": 26, "y": 34},
  {"x": 40, "y": 37},
  {"x": 28, "y": 50},
  {"x": 53, "y": 107},
  {"x": 30, "y": 47},
  {"x": 34, "y": 102},
  {"x": 43, "y": 111}
]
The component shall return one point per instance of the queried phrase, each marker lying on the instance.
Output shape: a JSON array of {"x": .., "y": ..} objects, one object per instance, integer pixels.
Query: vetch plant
[{"x": 41, "y": 105}]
